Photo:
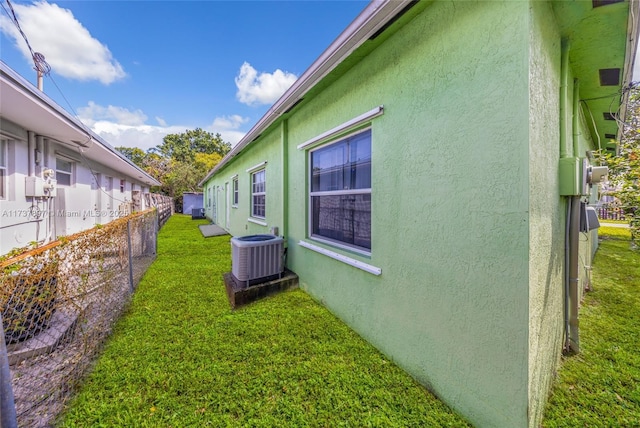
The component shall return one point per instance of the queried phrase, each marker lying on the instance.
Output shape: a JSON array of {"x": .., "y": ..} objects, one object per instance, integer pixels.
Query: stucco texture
[
  {"x": 467, "y": 221},
  {"x": 546, "y": 209},
  {"x": 236, "y": 222},
  {"x": 449, "y": 205}
]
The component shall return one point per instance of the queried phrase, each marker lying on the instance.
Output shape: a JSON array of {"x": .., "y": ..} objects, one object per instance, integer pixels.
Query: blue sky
[{"x": 135, "y": 71}]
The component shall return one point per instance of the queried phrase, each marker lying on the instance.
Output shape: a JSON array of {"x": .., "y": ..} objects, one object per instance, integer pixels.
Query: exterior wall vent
[
  {"x": 256, "y": 257},
  {"x": 609, "y": 76},
  {"x": 599, "y": 3}
]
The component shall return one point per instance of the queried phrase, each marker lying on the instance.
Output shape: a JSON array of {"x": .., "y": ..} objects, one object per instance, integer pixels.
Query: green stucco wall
[
  {"x": 467, "y": 220},
  {"x": 449, "y": 198},
  {"x": 547, "y": 209},
  {"x": 269, "y": 151}
]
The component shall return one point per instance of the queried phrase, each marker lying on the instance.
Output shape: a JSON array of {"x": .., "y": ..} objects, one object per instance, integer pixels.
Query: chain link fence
[{"x": 59, "y": 303}]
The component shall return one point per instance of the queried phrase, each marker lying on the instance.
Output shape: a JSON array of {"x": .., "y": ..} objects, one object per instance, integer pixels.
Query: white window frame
[
  {"x": 123, "y": 185},
  {"x": 71, "y": 173},
  {"x": 4, "y": 166},
  {"x": 365, "y": 191},
  {"x": 235, "y": 190},
  {"x": 263, "y": 192}
]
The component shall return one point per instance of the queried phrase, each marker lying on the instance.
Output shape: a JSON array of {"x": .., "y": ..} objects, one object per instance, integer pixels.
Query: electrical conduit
[{"x": 571, "y": 277}]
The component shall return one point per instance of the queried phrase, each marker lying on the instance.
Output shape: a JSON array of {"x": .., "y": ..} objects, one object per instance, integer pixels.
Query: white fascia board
[
  {"x": 371, "y": 19},
  {"x": 90, "y": 141}
]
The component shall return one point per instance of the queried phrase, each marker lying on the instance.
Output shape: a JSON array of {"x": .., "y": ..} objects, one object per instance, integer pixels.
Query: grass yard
[
  {"x": 600, "y": 387},
  {"x": 609, "y": 232},
  {"x": 180, "y": 357}
]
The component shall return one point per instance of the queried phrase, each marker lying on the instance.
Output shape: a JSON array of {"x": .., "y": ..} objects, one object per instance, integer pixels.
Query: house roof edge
[{"x": 371, "y": 19}]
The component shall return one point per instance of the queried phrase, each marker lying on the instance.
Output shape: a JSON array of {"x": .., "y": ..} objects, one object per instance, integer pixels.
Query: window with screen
[{"x": 340, "y": 191}]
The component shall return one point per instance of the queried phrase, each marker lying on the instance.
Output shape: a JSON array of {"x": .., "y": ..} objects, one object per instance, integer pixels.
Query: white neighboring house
[{"x": 57, "y": 177}]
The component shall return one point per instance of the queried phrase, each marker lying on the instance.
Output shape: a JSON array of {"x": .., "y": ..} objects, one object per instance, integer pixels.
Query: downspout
[
  {"x": 284, "y": 161},
  {"x": 31, "y": 144},
  {"x": 39, "y": 154},
  {"x": 573, "y": 341},
  {"x": 564, "y": 96},
  {"x": 570, "y": 322},
  {"x": 575, "y": 121},
  {"x": 285, "y": 178}
]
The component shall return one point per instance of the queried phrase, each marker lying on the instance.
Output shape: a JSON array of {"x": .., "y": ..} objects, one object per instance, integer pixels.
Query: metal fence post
[
  {"x": 131, "y": 286},
  {"x": 8, "y": 417}
]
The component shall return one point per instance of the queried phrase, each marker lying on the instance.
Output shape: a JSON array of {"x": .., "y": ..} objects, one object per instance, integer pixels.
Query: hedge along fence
[{"x": 59, "y": 303}]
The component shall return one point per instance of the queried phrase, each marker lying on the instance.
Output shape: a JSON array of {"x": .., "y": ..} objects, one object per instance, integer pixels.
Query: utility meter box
[
  {"x": 39, "y": 188},
  {"x": 573, "y": 176},
  {"x": 34, "y": 186}
]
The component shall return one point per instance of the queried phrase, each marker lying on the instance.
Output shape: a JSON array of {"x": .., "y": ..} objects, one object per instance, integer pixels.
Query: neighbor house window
[
  {"x": 64, "y": 172},
  {"x": 122, "y": 185},
  {"x": 258, "y": 194},
  {"x": 3, "y": 169},
  {"x": 235, "y": 191},
  {"x": 340, "y": 191}
]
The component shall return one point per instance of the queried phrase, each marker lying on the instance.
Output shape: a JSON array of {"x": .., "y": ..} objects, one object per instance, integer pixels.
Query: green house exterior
[{"x": 476, "y": 113}]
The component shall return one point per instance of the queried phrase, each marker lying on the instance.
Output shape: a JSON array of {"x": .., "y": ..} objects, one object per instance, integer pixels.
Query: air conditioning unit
[{"x": 256, "y": 257}]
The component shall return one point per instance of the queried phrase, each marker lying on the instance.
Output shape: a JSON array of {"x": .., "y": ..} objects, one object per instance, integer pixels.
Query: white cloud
[
  {"x": 94, "y": 112},
  {"x": 122, "y": 127},
  {"x": 67, "y": 45},
  {"x": 141, "y": 136},
  {"x": 229, "y": 127},
  {"x": 263, "y": 88}
]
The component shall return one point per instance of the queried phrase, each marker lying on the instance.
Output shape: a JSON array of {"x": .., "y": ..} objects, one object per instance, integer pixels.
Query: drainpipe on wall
[
  {"x": 38, "y": 154},
  {"x": 574, "y": 239},
  {"x": 564, "y": 96},
  {"x": 285, "y": 188},
  {"x": 564, "y": 73},
  {"x": 31, "y": 144},
  {"x": 569, "y": 162},
  {"x": 285, "y": 179}
]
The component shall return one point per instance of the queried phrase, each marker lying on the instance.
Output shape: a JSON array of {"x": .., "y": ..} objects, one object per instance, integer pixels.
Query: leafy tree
[
  {"x": 134, "y": 154},
  {"x": 181, "y": 161},
  {"x": 183, "y": 147},
  {"x": 624, "y": 169}
]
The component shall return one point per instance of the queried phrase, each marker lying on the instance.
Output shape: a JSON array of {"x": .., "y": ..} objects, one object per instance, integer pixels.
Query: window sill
[
  {"x": 342, "y": 258},
  {"x": 257, "y": 221}
]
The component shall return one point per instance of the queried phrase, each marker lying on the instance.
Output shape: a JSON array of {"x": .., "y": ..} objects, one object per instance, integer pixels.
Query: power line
[
  {"x": 43, "y": 68},
  {"x": 39, "y": 63}
]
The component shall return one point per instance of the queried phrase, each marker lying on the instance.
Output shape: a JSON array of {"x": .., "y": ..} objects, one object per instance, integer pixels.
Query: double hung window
[
  {"x": 258, "y": 194},
  {"x": 64, "y": 172},
  {"x": 235, "y": 191},
  {"x": 340, "y": 191}
]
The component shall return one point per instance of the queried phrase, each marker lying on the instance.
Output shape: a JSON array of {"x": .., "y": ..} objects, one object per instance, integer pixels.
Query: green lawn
[
  {"x": 609, "y": 232},
  {"x": 180, "y": 357},
  {"x": 600, "y": 387}
]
